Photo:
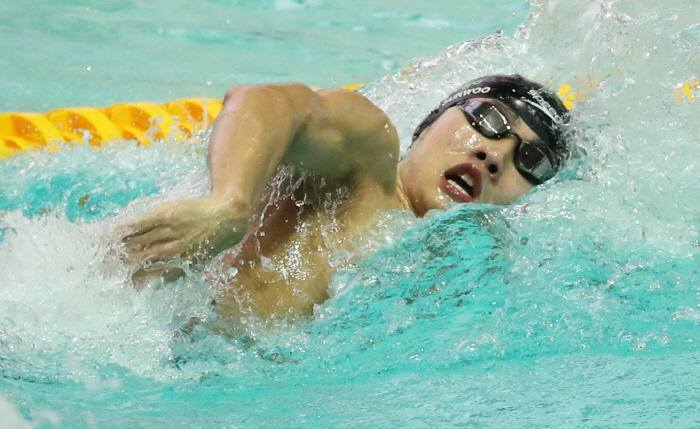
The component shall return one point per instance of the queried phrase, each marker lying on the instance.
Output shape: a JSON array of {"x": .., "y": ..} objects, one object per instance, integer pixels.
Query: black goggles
[{"x": 533, "y": 159}]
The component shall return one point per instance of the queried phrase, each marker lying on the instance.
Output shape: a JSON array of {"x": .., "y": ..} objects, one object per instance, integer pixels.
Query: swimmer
[{"x": 490, "y": 142}]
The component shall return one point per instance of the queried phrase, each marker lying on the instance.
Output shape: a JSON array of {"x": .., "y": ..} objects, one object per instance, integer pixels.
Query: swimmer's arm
[{"x": 336, "y": 133}]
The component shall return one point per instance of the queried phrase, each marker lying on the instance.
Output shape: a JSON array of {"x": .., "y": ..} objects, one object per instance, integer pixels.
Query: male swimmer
[{"x": 490, "y": 142}]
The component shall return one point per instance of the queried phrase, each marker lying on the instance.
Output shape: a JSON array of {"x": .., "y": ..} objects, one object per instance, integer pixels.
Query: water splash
[{"x": 598, "y": 265}]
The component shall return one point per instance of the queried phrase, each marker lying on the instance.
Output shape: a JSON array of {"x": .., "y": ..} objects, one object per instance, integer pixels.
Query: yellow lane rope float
[
  {"x": 146, "y": 122},
  {"x": 141, "y": 121}
]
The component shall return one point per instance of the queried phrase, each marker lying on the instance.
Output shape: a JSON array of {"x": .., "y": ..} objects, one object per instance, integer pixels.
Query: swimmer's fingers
[
  {"x": 142, "y": 226},
  {"x": 165, "y": 243},
  {"x": 146, "y": 238},
  {"x": 160, "y": 229},
  {"x": 190, "y": 229},
  {"x": 164, "y": 251},
  {"x": 127, "y": 232}
]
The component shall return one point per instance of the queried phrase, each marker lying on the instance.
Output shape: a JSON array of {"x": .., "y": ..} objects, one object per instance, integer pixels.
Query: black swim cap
[{"x": 538, "y": 107}]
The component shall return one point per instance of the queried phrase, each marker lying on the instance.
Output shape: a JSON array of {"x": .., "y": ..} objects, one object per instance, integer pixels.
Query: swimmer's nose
[{"x": 494, "y": 156}]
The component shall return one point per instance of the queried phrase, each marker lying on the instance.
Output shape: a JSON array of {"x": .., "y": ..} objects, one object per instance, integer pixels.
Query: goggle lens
[
  {"x": 532, "y": 159},
  {"x": 486, "y": 119}
]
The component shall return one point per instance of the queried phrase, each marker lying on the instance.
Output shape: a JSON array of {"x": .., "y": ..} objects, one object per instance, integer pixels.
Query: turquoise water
[
  {"x": 95, "y": 53},
  {"x": 578, "y": 306}
]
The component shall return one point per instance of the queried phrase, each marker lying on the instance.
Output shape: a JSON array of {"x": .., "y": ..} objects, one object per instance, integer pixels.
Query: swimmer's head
[{"x": 536, "y": 106}]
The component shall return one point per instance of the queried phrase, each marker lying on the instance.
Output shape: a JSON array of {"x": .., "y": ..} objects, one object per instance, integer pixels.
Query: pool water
[
  {"x": 576, "y": 307},
  {"x": 95, "y": 53}
]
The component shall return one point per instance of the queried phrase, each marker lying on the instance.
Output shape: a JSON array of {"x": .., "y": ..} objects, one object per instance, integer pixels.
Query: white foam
[{"x": 10, "y": 417}]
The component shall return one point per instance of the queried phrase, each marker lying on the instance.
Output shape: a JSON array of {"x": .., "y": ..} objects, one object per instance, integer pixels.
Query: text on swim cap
[
  {"x": 465, "y": 92},
  {"x": 545, "y": 106}
]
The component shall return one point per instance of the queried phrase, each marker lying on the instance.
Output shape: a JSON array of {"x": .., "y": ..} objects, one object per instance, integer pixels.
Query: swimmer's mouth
[{"x": 462, "y": 182}]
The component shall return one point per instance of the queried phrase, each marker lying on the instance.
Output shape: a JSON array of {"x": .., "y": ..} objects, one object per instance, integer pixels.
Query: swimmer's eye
[{"x": 533, "y": 159}]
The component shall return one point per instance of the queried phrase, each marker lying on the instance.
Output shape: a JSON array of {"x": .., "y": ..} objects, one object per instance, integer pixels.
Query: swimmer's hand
[{"x": 188, "y": 230}]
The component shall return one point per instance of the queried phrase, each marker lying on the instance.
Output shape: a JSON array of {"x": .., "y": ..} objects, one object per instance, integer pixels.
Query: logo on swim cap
[
  {"x": 465, "y": 92},
  {"x": 544, "y": 106},
  {"x": 539, "y": 109}
]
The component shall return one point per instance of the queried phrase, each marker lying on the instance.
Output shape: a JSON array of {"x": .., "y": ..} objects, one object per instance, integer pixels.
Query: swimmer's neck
[{"x": 401, "y": 195}]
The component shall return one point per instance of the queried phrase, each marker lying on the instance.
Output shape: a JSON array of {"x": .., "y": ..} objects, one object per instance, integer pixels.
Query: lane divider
[
  {"x": 685, "y": 92},
  {"x": 142, "y": 121},
  {"x": 147, "y": 122}
]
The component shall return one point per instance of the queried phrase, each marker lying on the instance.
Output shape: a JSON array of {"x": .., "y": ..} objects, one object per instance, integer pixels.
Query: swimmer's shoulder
[{"x": 348, "y": 135}]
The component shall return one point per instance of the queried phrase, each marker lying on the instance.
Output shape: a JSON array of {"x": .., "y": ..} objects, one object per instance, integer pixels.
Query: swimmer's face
[{"x": 450, "y": 162}]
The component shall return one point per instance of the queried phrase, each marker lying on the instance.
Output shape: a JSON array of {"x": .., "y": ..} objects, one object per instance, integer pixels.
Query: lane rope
[
  {"x": 142, "y": 121},
  {"x": 146, "y": 122}
]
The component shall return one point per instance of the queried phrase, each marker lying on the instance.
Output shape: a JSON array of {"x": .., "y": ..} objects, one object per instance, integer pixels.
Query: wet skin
[
  {"x": 424, "y": 181},
  {"x": 276, "y": 265},
  {"x": 450, "y": 154}
]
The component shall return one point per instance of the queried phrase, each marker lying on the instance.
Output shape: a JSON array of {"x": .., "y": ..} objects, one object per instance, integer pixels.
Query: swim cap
[{"x": 538, "y": 107}]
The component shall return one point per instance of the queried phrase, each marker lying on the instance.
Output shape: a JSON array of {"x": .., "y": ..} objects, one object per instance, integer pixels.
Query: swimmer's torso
[{"x": 281, "y": 267}]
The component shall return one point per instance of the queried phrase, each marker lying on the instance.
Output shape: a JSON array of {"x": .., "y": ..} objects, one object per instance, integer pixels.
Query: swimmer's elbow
[{"x": 275, "y": 91}]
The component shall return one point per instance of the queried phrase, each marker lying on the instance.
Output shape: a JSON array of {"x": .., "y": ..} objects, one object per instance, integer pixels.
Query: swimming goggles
[{"x": 533, "y": 159}]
